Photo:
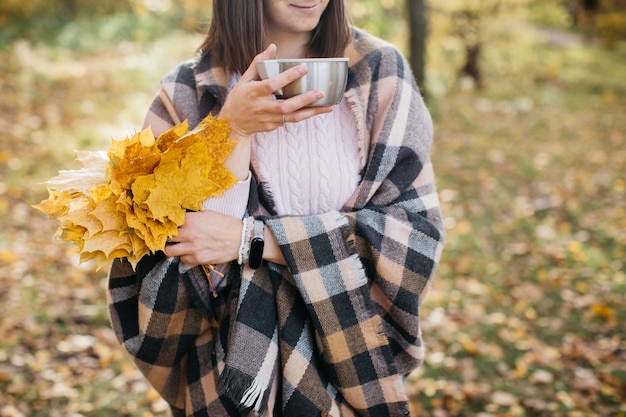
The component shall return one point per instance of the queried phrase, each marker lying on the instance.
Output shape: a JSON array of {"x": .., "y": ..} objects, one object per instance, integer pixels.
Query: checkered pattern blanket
[{"x": 338, "y": 327}]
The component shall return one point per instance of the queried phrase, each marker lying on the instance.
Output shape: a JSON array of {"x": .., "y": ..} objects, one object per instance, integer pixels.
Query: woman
[{"x": 322, "y": 318}]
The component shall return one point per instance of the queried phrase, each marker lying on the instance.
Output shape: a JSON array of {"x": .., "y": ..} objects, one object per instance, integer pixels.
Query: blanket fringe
[
  {"x": 243, "y": 390},
  {"x": 253, "y": 397},
  {"x": 383, "y": 340}
]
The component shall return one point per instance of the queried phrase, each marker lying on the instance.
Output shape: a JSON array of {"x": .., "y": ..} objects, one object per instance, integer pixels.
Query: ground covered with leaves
[{"x": 525, "y": 316}]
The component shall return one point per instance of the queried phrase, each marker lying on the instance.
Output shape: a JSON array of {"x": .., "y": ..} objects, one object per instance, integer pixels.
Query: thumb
[
  {"x": 269, "y": 53},
  {"x": 252, "y": 73}
]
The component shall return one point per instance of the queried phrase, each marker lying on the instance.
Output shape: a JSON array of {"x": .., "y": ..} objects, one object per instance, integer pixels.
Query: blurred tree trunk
[
  {"x": 70, "y": 7},
  {"x": 418, "y": 27}
]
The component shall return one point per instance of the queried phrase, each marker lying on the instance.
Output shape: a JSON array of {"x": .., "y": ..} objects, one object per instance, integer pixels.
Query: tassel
[
  {"x": 253, "y": 397},
  {"x": 243, "y": 390}
]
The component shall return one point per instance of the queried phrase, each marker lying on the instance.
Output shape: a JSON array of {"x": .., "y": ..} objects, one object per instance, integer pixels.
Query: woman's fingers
[
  {"x": 304, "y": 113},
  {"x": 283, "y": 78},
  {"x": 174, "y": 249},
  {"x": 300, "y": 101},
  {"x": 269, "y": 86},
  {"x": 207, "y": 237}
]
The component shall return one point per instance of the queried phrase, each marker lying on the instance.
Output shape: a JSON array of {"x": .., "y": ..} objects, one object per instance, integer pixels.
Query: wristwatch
[{"x": 256, "y": 245}]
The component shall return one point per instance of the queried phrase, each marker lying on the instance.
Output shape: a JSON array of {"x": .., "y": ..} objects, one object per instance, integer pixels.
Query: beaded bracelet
[{"x": 244, "y": 245}]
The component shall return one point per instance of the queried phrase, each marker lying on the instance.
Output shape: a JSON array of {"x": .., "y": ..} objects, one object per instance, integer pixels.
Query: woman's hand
[
  {"x": 207, "y": 237},
  {"x": 251, "y": 107}
]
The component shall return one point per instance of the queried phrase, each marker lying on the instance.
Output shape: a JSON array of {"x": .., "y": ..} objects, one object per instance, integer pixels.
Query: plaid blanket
[{"x": 339, "y": 325}]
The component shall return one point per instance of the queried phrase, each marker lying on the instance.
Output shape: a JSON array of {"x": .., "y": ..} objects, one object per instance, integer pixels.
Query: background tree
[{"x": 418, "y": 28}]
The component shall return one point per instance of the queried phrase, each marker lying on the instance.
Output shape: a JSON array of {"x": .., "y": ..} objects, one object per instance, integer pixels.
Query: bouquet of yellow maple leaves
[{"x": 126, "y": 203}]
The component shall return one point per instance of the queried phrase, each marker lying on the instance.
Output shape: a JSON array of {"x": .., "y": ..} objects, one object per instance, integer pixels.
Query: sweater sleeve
[{"x": 232, "y": 202}]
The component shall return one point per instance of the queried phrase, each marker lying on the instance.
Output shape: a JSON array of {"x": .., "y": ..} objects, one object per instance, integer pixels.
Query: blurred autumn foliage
[{"x": 526, "y": 314}]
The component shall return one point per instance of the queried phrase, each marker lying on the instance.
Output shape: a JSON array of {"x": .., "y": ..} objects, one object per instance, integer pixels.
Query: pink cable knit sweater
[{"x": 311, "y": 166}]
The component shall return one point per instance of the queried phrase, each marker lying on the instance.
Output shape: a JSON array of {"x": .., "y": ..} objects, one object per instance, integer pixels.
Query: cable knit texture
[{"x": 322, "y": 169}]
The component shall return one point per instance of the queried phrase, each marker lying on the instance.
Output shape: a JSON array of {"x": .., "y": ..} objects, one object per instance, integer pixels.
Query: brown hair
[{"x": 237, "y": 33}]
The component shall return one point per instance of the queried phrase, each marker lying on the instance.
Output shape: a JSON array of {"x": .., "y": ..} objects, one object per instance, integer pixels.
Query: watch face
[{"x": 256, "y": 252}]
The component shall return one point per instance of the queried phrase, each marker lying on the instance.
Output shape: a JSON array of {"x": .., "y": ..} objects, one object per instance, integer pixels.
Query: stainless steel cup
[{"x": 329, "y": 75}]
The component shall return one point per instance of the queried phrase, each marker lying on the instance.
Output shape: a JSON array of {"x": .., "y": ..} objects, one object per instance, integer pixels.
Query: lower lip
[{"x": 309, "y": 9}]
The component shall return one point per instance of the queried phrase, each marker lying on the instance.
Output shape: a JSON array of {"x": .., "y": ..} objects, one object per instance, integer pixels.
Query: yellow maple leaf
[
  {"x": 198, "y": 171},
  {"x": 92, "y": 173},
  {"x": 100, "y": 192},
  {"x": 70, "y": 232},
  {"x": 125, "y": 201},
  {"x": 213, "y": 133},
  {"x": 207, "y": 181},
  {"x": 141, "y": 139},
  {"x": 141, "y": 188},
  {"x": 80, "y": 215},
  {"x": 164, "y": 200},
  {"x": 106, "y": 242},
  {"x": 154, "y": 233},
  {"x": 139, "y": 249},
  {"x": 109, "y": 216},
  {"x": 132, "y": 158},
  {"x": 56, "y": 205},
  {"x": 165, "y": 139}
]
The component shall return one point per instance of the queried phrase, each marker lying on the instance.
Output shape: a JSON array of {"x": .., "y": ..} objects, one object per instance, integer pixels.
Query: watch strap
[{"x": 255, "y": 258}]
